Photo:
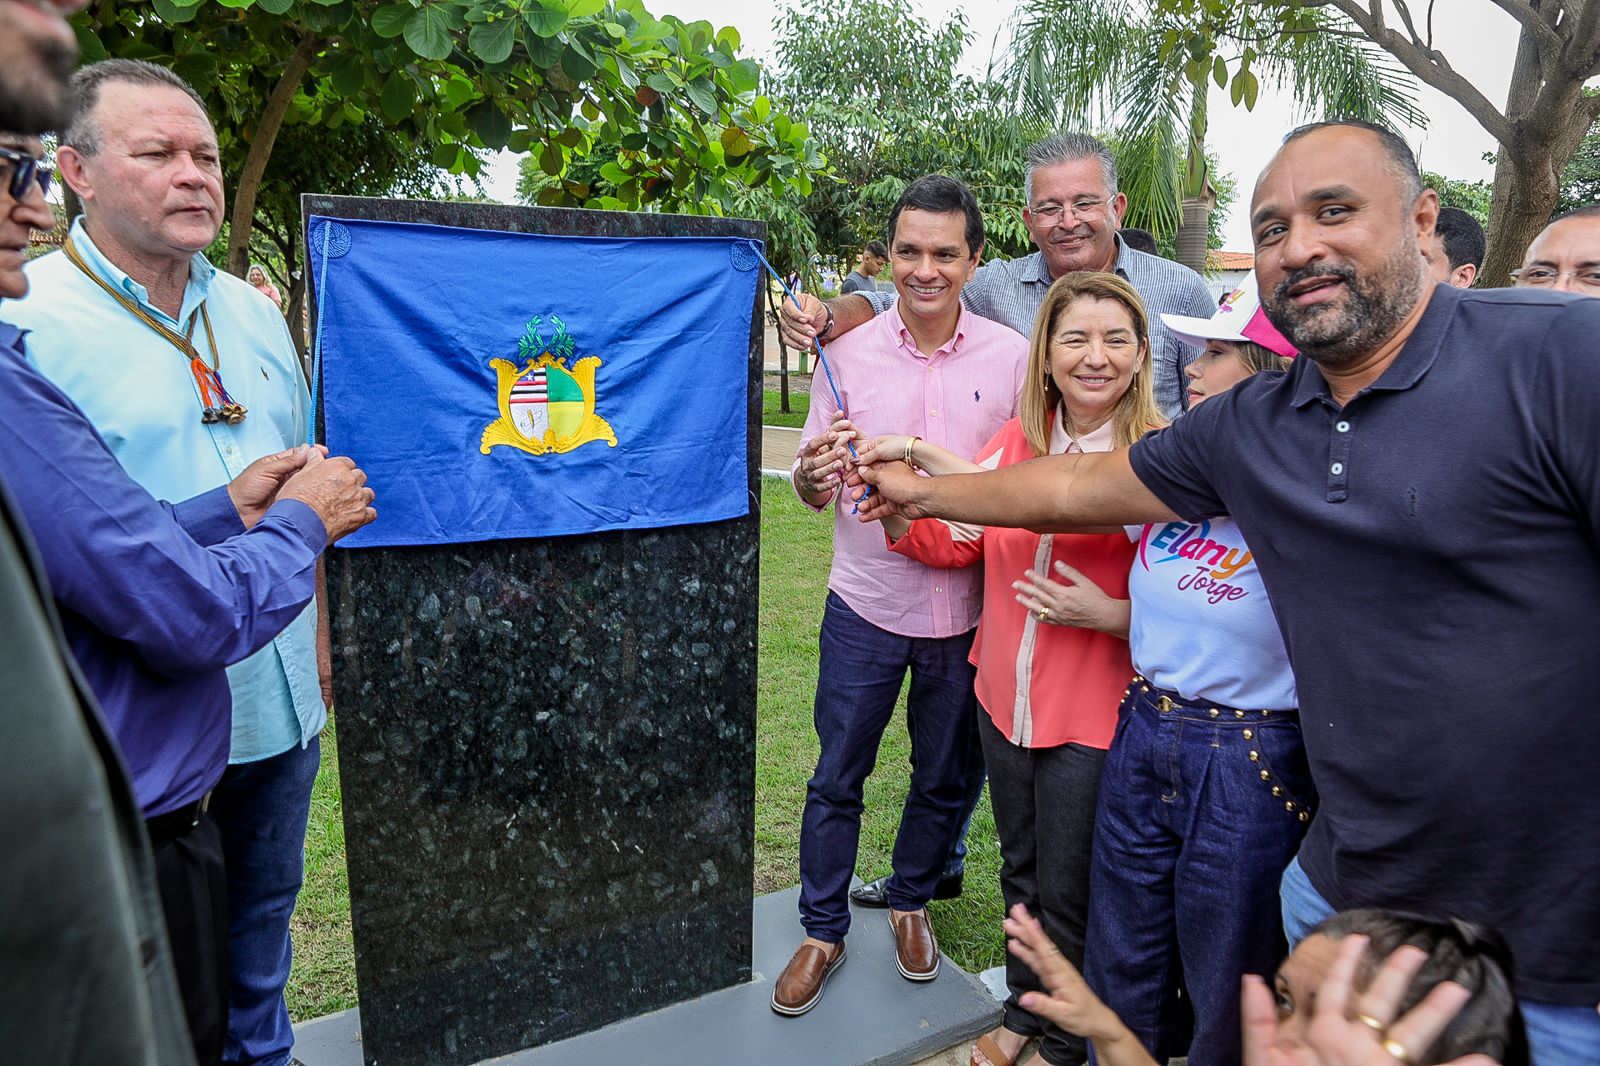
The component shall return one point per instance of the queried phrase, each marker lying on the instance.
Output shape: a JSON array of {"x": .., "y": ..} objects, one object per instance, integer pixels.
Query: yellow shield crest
[{"x": 546, "y": 405}]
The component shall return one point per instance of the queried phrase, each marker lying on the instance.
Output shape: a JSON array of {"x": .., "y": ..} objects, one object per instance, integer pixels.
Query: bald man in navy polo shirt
[{"x": 1422, "y": 493}]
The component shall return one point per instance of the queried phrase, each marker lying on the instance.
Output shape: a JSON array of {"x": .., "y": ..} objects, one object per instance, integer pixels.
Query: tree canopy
[
  {"x": 1144, "y": 69},
  {"x": 883, "y": 95},
  {"x": 1546, "y": 115},
  {"x": 566, "y": 79}
]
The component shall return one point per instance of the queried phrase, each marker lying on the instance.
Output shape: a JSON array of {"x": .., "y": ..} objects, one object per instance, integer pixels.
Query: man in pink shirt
[{"x": 931, "y": 368}]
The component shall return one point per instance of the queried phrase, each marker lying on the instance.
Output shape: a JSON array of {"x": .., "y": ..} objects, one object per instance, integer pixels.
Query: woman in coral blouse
[{"x": 1051, "y": 648}]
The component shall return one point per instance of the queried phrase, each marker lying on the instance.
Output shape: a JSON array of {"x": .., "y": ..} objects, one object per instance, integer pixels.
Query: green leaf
[
  {"x": 745, "y": 76},
  {"x": 1252, "y": 89},
  {"x": 704, "y": 95},
  {"x": 274, "y": 7},
  {"x": 543, "y": 52},
  {"x": 649, "y": 29},
  {"x": 663, "y": 83},
  {"x": 349, "y": 74},
  {"x": 428, "y": 32},
  {"x": 614, "y": 173},
  {"x": 584, "y": 8},
  {"x": 729, "y": 37},
  {"x": 169, "y": 11},
  {"x": 236, "y": 3},
  {"x": 735, "y": 142},
  {"x": 550, "y": 160},
  {"x": 492, "y": 42},
  {"x": 577, "y": 62},
  {"x": 390, "y": 21},
  {"x": 546, "y": 20},
  {"x": 457, "y": 91},
  {"x": 1236, "y": 90},
  {"x": 1219, "y": 72},
  {"x": 521, "y": 141},
  {"x": 90, "y": 48},
  {"x": 399, "y": 95},
  {"x": 490, "y": 124}
]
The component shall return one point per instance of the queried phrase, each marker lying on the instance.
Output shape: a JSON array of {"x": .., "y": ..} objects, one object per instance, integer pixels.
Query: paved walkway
[{"x": 778, "y": 448}]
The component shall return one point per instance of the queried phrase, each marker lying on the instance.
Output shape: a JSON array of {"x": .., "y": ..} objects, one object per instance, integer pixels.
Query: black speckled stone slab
[{"x": 547, "y": 753}]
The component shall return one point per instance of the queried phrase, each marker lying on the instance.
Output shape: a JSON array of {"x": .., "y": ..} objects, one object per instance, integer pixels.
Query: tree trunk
[
  {"x": 1525, "y": 194},
  {"x": 1548, "y": 124},
  {"x": 1194, "y": 232},
  {"x": 294, "y": 307},
  {"x": 255, "y": 163}
]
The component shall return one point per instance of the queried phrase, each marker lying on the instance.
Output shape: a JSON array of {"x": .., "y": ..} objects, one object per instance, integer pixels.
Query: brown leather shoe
[
  {"x": 799, "y": 986},
  {"x": 916, "y": 952}
]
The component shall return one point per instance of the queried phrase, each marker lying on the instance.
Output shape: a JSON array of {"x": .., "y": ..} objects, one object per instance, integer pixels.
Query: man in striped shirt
[{"x": 1073, "y": 213}]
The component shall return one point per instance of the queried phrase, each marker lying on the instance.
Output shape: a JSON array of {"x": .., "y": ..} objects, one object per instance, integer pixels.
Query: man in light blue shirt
[{"x": 189, "y": 374}]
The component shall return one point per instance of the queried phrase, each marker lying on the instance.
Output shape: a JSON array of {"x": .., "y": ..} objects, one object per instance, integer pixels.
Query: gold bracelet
[{"x": 911, "y": 442}]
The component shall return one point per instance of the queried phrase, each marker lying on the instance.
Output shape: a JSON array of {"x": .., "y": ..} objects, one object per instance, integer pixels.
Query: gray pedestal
[
  {"x": 547, "y": 750},
  {"x": 868, "y": 1015}
]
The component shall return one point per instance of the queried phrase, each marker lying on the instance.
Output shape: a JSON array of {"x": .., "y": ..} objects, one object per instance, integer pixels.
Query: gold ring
[
  {"x": 1374, "y": 1024},
  {"x": 1397, "y": 1051},
  {"x": 1044, "y": 614}
]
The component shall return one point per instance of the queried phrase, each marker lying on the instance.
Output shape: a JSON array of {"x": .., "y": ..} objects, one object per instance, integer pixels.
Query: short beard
[
  {"x": 1373, "y": 310},
  {"x": 33, "y": 96}
]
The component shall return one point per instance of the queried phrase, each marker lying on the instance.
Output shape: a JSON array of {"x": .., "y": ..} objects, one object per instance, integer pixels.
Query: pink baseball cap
[{"x": 1238, "y": 318}]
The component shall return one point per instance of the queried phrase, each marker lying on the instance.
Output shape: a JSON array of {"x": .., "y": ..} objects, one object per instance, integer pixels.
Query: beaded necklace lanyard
[{"x": 215, "y": 403}]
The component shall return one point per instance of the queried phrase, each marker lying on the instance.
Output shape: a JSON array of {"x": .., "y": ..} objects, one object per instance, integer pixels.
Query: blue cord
[{"x": 822, "y": 358}]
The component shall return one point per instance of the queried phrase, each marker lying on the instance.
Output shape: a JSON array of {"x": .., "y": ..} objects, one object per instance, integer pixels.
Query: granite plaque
[{"x": 547, "y": 751}]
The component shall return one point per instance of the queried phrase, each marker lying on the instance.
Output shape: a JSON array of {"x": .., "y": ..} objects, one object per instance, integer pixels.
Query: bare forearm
[
  {"x": 817, "y": 498},
  {"x": 1049, "y": 494},
  {"x": 940, "y": 461},
  {"x": 849, "y": 311},
  {"x": 1115, "y": 618}
]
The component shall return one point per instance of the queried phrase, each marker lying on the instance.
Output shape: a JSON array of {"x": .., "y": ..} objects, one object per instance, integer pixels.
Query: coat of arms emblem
[{"x": 546, "y": 405}]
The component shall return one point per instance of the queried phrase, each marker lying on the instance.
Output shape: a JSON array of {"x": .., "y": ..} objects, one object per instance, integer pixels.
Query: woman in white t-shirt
[{"x": 1206, "y": 793}]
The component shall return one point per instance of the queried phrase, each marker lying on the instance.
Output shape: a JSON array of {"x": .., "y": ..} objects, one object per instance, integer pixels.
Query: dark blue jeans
[
  {"x": 261, "y": 808},
  {"x": 1201, "y": 808},
  {"x": 859, "y": 674}
]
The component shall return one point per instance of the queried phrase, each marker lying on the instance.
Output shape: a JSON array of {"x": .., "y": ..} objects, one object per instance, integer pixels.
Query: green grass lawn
[
  {"x": 795, "y": 548},
  {"x": 795, "y": 417}
]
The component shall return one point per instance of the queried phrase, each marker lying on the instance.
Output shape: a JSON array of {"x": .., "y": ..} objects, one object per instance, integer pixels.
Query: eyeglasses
[
  {"x": 1542, "y": 277},
  {"x": 25, "y": 169},
  {"x": 1052, "y": 212}
]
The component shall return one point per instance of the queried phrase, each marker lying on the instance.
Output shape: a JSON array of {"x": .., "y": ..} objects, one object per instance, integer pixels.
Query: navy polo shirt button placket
[{"x": 1339, "y": 455}]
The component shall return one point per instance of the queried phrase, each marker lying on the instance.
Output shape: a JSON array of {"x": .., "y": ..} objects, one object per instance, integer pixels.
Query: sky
[{"x": 1478, "y": 39}]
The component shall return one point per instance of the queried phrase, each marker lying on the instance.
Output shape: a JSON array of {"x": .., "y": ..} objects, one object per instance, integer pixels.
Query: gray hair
[
  {"x": 1068, "y": 148},
  {"x": 82, "y": 133}
]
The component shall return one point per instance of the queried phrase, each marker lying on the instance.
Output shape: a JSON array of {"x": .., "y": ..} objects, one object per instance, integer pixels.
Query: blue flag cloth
[{"x": 497, "y": 385}]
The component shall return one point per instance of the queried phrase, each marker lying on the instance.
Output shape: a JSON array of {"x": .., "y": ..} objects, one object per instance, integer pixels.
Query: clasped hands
[
  {"x": 827, "y": 464},
  {"x": 332, "y": 486}
]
